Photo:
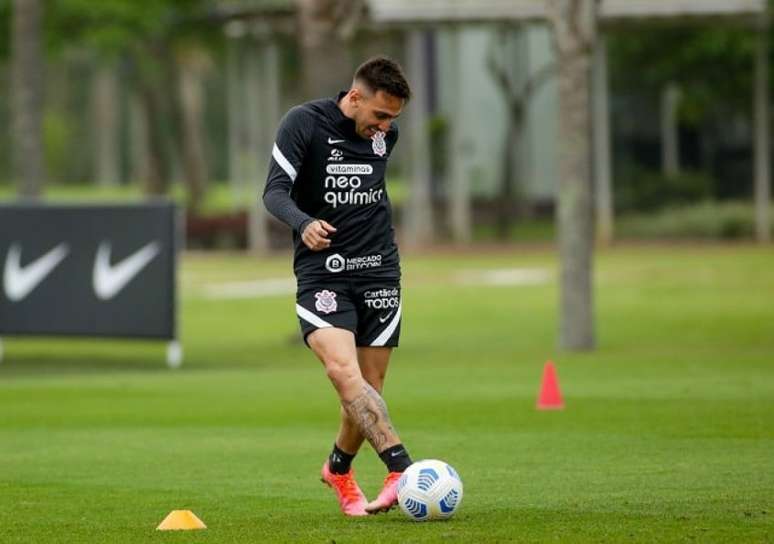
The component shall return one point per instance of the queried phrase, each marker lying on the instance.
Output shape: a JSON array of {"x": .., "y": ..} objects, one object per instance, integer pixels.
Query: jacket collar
[{"x": 342, "y": 122}]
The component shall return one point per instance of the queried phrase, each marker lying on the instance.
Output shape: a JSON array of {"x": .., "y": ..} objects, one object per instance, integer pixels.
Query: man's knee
[
  {"x": 339, "y": 369},
  {"x": 336, "y": 350}
]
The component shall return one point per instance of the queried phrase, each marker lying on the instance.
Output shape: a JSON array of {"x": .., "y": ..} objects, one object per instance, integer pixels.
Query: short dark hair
[{"x": 384, "y": 74}]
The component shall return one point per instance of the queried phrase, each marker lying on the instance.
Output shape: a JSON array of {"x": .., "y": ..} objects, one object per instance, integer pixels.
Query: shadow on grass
[
  {"x": 47, "y": 364},
  {"x": 58, "y": 357}
]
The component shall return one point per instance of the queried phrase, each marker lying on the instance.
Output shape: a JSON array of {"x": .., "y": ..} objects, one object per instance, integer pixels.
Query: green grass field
[{"x": 667, "y": 435}]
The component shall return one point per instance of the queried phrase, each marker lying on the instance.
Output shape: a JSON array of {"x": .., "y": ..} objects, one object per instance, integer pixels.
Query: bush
[
  {"x": 652, "y": 191},
  {"x": 712, "y": 220}
]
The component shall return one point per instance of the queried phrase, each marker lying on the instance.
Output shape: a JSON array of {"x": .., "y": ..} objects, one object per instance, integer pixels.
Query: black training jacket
[{"x": 321, "y": 169}]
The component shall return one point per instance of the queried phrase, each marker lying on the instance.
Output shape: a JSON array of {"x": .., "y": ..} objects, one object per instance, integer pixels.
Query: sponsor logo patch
[
  {"x": 382, "y": 299},
  {"x": 345, "y": 190},
  {"x": 326, "y": 301},
  {"x": 378, "y": 144},
  {"x": 361, "y": 263},
  {"x": 335, "y": 263},
  {"x": 350, "y": 169}
]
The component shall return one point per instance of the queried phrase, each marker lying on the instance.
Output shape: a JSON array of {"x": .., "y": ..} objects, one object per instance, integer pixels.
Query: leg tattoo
[{"x": 369, "y": 412}]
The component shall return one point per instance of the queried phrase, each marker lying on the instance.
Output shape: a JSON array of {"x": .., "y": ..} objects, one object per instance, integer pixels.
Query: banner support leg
[{"x": 174, "y": 354}]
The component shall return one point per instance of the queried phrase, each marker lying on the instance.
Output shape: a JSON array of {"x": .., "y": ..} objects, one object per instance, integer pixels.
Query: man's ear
[{"x": 355, "y": 96}]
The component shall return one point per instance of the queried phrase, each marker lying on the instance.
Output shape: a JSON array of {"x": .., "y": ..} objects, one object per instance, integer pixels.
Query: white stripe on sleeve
[
  {"x": 306, "y": 315},
  {"x": 386, "y": 333},
  {"x": 284, "y": 163}
]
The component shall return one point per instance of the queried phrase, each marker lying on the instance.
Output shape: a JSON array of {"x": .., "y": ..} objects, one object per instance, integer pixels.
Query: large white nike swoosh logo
[
  {"x": 385, "y": 318},
  {"x": 110, "y": 279},
  {"x": 19, "y": 281},
  {"x": 332, "y": 141}
]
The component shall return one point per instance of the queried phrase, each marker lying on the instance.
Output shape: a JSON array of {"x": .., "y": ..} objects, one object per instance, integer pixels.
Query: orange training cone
[
  {"x": 181, "y": 520},
  {"x": 550, "y": 397}
]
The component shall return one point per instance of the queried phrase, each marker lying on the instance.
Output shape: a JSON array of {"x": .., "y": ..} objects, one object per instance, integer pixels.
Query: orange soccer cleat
[
  {"x": 388, "y": 496},
  {"x": 352, "y": 501}
]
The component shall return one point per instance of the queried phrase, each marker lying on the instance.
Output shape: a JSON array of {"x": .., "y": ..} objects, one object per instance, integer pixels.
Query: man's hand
[{"x": 315, "y": 235}]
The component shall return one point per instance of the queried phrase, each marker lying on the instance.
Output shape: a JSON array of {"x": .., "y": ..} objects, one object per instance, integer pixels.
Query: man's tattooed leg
[{"x": 369, "y": 412}]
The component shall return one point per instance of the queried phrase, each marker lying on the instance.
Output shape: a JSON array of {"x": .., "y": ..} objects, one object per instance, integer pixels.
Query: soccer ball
[{"x": 429, "y": 489}]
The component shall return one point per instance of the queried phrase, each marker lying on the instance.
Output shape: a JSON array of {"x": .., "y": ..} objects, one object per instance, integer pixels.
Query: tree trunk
[
  {"x": 326, "y": 59},
  {"x": 670, "y": 140},
  {"x": 235, "y": 105},
  {"x": 139, "y": 155},
  {"x": 157, "y": 179},
  {"x": 262, "y": 83},
  {"x": 762, "y": 140},
  {"x": 603, "y": 183},
  {"x": 511, "y": 166},
  {"x": 27, "y": 93},
  {"x": 418, "y": 221},
  {"x": 105, "y": 121},
  {"x": 574, "y": 28},
  {"x": 459, "y": 191},
  {"x": 154, "y": 79},
  {"x": 517, "y": 93},
  {"x": 192, "y": 64}
]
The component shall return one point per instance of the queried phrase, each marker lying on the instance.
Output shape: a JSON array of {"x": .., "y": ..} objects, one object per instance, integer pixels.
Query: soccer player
[{"x": 326, "y": 181}]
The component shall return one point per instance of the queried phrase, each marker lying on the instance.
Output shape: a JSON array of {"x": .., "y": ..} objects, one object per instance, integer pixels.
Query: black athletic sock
[
  {"x": 396, "y": 458},
  {"x": 340, "y": 461}
]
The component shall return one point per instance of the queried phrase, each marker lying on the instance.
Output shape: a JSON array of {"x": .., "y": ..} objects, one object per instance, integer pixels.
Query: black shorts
[{"x": 370, "y": 308}]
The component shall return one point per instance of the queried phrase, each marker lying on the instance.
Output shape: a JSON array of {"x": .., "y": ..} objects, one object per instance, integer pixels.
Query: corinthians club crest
[
  {"x": 326, "y": 301},
  {"x": 378, "y": 144}
]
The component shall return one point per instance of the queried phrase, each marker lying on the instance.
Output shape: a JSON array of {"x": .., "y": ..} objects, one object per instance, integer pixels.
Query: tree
[
  {"x": 192, "y": 64},
  {"x": 644, "y": 57},
  {"x": 679, "y": 54},
  {"x": 162, "y": 40},
  {"x": 574, "y": 31},
  {"x": 459, "y": 203},
  {"x": 419, "y": 214},
  {"x": 27, "y": 91},
  {"x": 105, "y": 114},
  {"x": 326, "y": 28},
  {"x": 667, "y": 64},
  {"x": 761, "y": 152},
  {"x": 517, "y": 98}
]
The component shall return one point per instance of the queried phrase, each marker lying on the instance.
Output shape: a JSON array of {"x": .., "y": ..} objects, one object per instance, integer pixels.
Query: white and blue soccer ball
[{"x": 429, "y": 489}]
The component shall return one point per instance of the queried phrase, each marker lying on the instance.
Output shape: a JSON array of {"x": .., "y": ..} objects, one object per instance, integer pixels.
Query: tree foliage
[
  {"x": 113, "y": 26},
  {"x": 711, "y": 64},
  {"x": 154, "y": 46}
]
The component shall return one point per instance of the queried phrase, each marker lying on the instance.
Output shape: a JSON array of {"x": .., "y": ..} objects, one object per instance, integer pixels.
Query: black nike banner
[{"x": 89, "y": 270}]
